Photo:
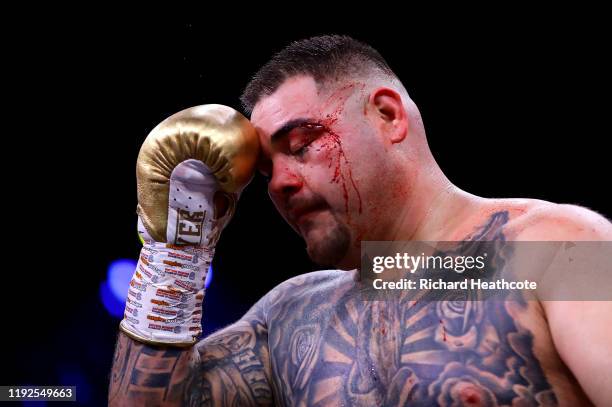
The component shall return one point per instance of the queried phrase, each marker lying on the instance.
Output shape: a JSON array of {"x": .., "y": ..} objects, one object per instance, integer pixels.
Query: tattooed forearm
[
  {"x": 147, "y": 375},
  {"x": 228, "y": 368},
  {"x": 235, "y": 367}
]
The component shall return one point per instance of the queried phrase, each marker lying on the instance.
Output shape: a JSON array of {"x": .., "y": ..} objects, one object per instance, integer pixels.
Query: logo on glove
[{"x": 189, "y": 230}]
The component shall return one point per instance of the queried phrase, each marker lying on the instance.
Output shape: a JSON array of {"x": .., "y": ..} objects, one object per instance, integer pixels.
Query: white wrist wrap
[{"x": 164, "y": 301}]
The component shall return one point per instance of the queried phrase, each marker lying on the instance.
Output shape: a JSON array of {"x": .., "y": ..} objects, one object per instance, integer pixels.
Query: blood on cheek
[{"x": 331, "y": 146}]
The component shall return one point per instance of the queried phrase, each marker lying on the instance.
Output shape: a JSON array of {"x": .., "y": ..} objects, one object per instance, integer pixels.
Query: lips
[{"x": 298, "y": 212}]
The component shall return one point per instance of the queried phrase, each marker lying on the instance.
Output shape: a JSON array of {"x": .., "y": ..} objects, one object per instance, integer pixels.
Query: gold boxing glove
[
  {"x": 215, "y": 135},
  {"x": 189, "y": 166}
]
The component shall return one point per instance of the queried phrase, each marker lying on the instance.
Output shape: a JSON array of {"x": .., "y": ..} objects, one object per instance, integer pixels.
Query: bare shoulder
[
  {"x": 304, "y": 287},
  {"x": 542, "y": 220}
]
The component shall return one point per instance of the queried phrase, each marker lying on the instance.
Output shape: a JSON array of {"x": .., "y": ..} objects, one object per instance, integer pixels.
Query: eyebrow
[{"x": 287, "y": 127}]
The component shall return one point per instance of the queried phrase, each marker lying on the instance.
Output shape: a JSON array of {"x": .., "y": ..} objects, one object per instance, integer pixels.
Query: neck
[{"x": 436, "y": 209}]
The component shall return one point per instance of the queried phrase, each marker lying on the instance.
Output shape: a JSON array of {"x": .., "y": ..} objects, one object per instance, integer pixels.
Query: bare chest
[{"x": 390, "y": 353}]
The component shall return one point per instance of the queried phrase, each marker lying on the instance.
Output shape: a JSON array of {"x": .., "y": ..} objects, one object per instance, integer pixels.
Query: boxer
[{"x": 345, "y": 151}]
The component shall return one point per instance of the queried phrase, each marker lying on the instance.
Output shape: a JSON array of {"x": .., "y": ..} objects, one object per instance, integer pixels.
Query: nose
[{"x": 286, "y": 180}]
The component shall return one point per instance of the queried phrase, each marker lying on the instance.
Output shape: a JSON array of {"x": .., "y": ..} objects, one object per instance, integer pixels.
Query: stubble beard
[{"x": 327, "y": 240}]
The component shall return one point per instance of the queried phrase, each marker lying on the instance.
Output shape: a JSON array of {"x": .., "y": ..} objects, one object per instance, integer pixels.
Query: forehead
[{"x": 297, "y": 97}]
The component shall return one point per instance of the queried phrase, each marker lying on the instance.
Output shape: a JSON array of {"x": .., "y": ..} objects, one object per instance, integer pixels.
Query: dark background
[{"x": 512, "y": 108}]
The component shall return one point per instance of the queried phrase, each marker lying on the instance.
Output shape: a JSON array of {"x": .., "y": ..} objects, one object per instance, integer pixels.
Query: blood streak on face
[{"x": 333, "y": 143}]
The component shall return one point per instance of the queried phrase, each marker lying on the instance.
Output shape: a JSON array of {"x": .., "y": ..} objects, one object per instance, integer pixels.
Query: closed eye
[{"x": 301, "y": 136}]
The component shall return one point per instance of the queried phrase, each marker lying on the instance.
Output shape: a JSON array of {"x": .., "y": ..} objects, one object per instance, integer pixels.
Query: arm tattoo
[
  {"x": 148, "y": 375},
  {"x": 233, "y": 366},
  {"x": 227, "y": 368}
]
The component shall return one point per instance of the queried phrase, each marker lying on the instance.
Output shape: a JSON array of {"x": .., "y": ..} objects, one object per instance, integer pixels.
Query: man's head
[{"x": 342, "y": 143}]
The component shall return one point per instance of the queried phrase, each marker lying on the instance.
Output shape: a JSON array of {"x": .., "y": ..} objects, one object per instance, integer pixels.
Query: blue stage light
[
  {"x": 113, "y": 305},
  {"x": 72, "y": 376},
  {"x": 31, "y": 403},
  {"x": 209, "y": 276},
  {"x": 119, "y": 275}
]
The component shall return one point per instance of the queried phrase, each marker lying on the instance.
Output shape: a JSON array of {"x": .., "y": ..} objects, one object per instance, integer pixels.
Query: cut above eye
[
  {"x": 301, "y": 137},
  {"x": 312, "y": 126}
]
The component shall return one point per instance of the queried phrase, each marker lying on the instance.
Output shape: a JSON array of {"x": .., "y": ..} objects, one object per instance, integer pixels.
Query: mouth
[
  {"x": 300, "y": 214},
  {"x": 304, "y": 217}
]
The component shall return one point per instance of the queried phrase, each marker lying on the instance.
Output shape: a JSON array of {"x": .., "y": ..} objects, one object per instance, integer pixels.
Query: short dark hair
[{"x": 323, "y": 57}]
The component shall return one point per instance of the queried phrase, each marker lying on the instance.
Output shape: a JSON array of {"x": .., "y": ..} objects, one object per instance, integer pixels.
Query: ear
[{"x": 387, "y": 106}]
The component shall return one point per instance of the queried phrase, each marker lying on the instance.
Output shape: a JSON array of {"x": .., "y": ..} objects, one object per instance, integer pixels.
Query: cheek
[
  {"x": 380, "y": 186},
  {"x": 336, "y": 173},
  {"x": 329, "y": 153}
]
